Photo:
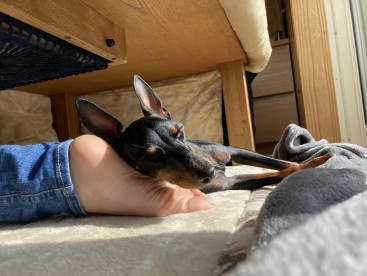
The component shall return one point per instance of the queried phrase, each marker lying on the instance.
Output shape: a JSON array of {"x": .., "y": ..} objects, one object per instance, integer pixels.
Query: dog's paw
[{"x": 317, "y": 161}]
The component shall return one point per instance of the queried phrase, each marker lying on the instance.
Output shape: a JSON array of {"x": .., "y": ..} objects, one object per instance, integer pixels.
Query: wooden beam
[
  {"x": 65, "y": 116},
  {"x": 237, "y": 105},
  {"x": 163, "y": 42},
  {"x": 73, "y": 21},
  {"x": 312, "y": 68}
]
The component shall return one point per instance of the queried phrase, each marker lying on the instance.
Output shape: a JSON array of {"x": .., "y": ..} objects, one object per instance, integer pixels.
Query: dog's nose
[{"x": 209, "y": 175}]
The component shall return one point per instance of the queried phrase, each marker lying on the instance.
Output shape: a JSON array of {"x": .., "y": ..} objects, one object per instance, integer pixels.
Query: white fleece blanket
[{"x": 182, "y": 244}]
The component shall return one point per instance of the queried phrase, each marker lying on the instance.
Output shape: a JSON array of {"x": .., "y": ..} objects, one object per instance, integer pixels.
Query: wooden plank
[
  {"x": 163, "y": 41},
  {"x": 312, "y": 68},
  {"x": 73, "y": 21},
  {"x": 236, "y": 105},
  {"x": 65, "y": 116},
  {"x": 277, "y": 76},
  {"x": 272, "y": 114}
]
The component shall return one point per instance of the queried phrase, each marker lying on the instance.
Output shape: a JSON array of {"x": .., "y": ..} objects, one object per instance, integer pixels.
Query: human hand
[{"x": 105, "y": 183}]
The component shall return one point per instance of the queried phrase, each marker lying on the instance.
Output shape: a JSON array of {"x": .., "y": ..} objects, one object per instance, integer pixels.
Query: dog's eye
[
  {"x": 180, "y": 133},
  {"x": 152, "y": 154},
  {"x": 177, "y": 131}
]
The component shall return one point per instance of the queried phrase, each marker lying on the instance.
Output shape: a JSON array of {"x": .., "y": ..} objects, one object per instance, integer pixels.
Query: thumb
[
  {"x": 184, "y": 201},
  {"x": 197, "y": 204}
]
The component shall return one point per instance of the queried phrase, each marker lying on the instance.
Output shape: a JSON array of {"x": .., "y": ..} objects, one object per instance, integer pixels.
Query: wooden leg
[
  {"x": 65, "y": 116},
  {"x": 312, "y": 67},
  {"x": 237, "y": 105}
]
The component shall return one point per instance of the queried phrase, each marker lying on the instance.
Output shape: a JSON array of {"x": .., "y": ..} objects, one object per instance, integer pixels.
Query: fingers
[
  {"x": 197, "y": 192},
  {"x": 199, "y": 203}
]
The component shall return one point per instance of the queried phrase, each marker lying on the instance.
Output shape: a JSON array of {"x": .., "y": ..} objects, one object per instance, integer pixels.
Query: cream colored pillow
[
  {"x": 25, "y": 118},
  {"x": 195, "y": 101}
]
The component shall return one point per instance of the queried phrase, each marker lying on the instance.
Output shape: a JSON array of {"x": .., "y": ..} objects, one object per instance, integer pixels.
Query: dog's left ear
[
  {"x": 149, "y": 101},
  {"x": 99, "y": 122}
]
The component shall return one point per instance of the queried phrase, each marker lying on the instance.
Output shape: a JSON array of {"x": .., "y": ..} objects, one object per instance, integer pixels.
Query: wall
[{"x": 346, "y": 74}]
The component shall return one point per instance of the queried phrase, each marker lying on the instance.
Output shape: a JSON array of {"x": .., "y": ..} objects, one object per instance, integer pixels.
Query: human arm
[
  {"x": 83, "y": 176},
  {"x": 105, "y": 183}
]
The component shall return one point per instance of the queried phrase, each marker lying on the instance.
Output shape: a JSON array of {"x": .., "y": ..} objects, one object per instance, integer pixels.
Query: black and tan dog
[{"x": 157, "y": 147}]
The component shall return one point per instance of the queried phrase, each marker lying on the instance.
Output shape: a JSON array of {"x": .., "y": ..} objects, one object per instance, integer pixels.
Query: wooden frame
[
  {"x": 66, "y": 119},
  {"x": 69, "y": 20},
  {"x": 204, "y": 44},
  {"x": 237, "y": 105},
  {"x": 312, "y": 67}
]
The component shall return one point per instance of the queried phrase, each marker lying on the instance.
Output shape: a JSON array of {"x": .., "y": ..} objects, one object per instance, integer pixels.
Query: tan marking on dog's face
[
  {"x": 201, "y": 155},
  {"x": 173, "y": 129},
  {"x": 151, "y": 150},
  {"x": 222, "y": 156}
]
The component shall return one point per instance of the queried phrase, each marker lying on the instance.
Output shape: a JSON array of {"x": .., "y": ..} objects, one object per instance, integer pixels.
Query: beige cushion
[
  {"x": 248, "y": 20},
  {"x": 196, "y": 101},
  {"x": 25, "y": 118}
]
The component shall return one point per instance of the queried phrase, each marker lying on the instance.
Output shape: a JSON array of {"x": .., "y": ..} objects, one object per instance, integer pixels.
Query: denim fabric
[{"x": 35, "y": 182}]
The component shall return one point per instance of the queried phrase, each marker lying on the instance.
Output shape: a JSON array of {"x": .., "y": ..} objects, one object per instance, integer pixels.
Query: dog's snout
[{"x": 208, "y": 177}]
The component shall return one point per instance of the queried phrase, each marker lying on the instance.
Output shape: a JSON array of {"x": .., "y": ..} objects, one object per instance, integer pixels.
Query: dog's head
[{"x": 154, "y": 144}]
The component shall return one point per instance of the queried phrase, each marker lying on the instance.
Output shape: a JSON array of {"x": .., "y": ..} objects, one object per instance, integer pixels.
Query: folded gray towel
[
  {"x": 310, "y": 191},
  {"x": 306, "y": 225},
  {"x": 298, "y": 145}
]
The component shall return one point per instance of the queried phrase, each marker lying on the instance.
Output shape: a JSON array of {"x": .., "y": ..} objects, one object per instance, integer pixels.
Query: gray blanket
[{"x": 315, "y": 221}]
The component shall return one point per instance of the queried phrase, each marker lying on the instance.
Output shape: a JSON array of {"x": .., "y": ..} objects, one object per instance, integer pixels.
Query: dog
[{"x": 157, "y": 147}]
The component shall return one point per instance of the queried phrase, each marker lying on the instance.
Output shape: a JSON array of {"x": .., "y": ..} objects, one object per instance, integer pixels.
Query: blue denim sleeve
[{"x": 35, "y": 182}]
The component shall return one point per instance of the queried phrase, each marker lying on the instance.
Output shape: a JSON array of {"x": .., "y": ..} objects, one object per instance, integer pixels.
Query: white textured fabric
[
  {"x": 195, "y": 101},
  {"x": 248, "y": 20},
  {"x": 181, "y": 244},
  {"x": 25, "y": 118}
]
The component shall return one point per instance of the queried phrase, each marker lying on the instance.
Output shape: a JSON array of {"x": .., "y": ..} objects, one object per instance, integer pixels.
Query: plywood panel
[
  {"x": 277, "y": 76},
  {"x": 237, "y": 105},
  {"x": 272, "y": 115},
  {"x": 312, "y": 68},
  {"x": 73, "y": 21},
  {"x": 164, "y": 39}
]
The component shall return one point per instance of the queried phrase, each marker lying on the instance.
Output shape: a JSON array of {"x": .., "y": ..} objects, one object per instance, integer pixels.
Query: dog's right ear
[
  {"x": 98, "y": 121},
  {"x": 149, "y": 101}
]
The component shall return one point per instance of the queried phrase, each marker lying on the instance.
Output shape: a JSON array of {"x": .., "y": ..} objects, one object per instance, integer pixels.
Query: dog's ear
[
  {"x": 98, "y": 121},
  {"x": 149, "y": 101}
]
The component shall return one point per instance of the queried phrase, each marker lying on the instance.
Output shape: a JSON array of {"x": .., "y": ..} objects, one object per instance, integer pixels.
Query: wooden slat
[
  {"x": 65, "y": 116},
  {"x": 237, "y": 106},
  {"x": 165, "y": 39},
  {"x": 272, "y": 114},
  {"x": 277, "y": 76},
  {"x": 312, "y": 68},
  {"x": 73, "y": 21}
]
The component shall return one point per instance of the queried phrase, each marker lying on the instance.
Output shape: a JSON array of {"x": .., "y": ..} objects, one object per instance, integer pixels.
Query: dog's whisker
[{"x": 139, "y": 146}]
